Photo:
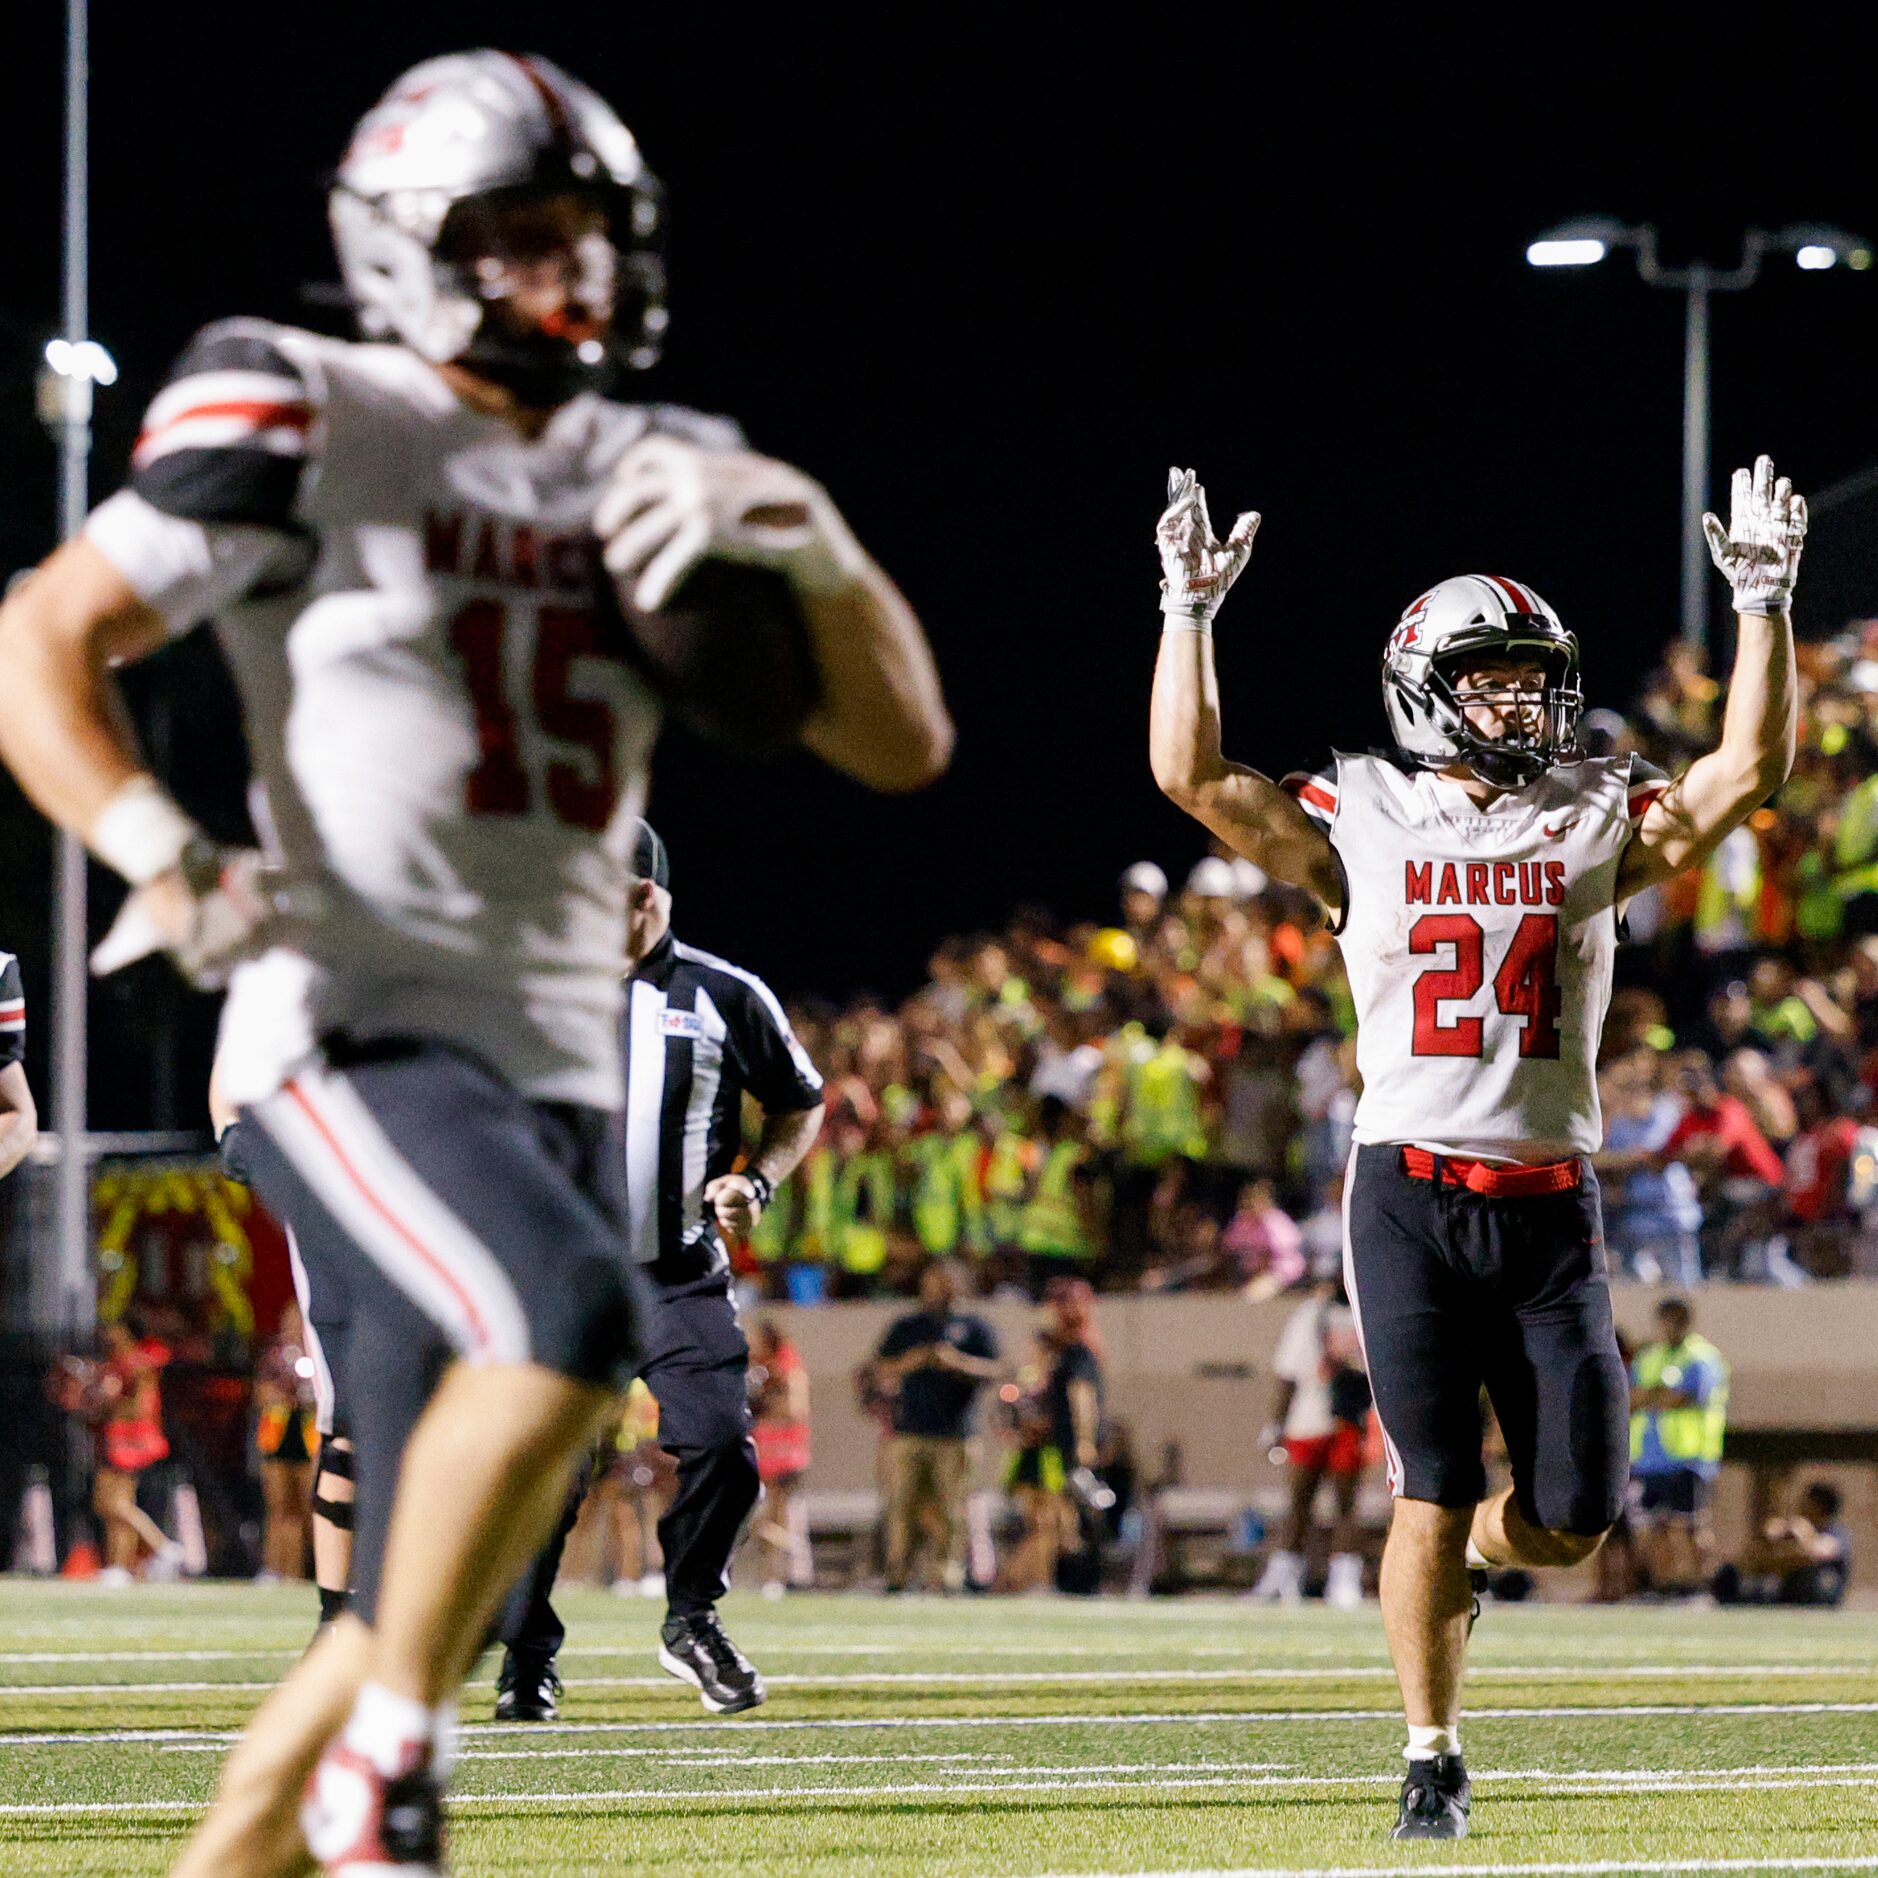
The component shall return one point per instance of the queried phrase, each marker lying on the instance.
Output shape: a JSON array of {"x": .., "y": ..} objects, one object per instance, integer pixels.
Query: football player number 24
[
  {"x": 1524, "y": 987},
  {"x": 581, "y": 795}
]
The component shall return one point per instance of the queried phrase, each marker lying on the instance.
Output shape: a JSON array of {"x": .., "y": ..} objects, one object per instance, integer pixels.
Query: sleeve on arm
[
  {"x": 1645, "y": 783},
  {"x": 187, "y": 570},
  {"x": 208, "y": 515},
  {"x": 770, "y": 1057},
  {"x": 12, "y": 1011},
  {"x": 228, "y": 438},
  {"x": 1316, "y": 793}
]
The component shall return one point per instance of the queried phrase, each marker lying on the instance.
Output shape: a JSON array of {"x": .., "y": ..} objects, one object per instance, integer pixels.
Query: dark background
[{"x": 987, "y": 272}]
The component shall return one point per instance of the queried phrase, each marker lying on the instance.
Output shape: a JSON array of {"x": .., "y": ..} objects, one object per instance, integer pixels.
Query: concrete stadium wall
[{"x": 1197, "y": 1371}]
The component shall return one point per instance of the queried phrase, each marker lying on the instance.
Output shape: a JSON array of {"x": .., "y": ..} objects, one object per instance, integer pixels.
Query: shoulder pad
[
  {"x": 708, "y": 432},
  {"x": 227, "y": 437}
]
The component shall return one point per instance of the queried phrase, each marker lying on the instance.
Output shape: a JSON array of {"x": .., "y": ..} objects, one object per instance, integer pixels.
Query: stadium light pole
[
  {"x": 1584, "y": 243},
  {"x": 74, "y": 364}
]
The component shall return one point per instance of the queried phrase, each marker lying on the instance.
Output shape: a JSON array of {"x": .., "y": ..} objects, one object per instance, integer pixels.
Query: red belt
[{"x": 1497, "y": 1183}]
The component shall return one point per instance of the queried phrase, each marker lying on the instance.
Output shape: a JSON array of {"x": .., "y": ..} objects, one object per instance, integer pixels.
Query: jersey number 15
[
  {"x": 581, "y": 796},
  {"x": 1525, "y": 986}
]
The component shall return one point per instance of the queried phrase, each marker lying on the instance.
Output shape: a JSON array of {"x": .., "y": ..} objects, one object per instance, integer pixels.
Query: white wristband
[
  {"x": 1186, "y": 623},
  {"x": 140, "y": 831}
]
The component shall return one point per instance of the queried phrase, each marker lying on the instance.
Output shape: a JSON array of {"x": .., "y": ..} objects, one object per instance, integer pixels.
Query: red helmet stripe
[
  {"x": 551, "y": 100},
  {"x": 1509, "y": 592}
]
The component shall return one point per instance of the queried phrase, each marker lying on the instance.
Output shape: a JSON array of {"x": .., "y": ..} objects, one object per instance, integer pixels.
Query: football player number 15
[
  {"x": 581, "y": 795},
  {"x": 1524, "y": 987}
]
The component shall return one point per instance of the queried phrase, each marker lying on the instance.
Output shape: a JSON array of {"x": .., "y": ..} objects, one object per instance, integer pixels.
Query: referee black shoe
[
  {"x": 694, "y": 1648},
  {"x": 1436, "y": 1797},
  {"x": 528, "y": 1690}
]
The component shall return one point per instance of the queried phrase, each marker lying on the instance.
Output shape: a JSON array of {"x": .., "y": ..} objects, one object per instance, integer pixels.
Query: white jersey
[
  {"x": 448, "y": 746},
  {"x": 1479, "y": 944}
]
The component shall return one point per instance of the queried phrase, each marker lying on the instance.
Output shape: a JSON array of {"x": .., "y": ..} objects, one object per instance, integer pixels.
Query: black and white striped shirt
[
  {"x": 12, "y": 1011},
  {"x": 699, "y": 1033}
]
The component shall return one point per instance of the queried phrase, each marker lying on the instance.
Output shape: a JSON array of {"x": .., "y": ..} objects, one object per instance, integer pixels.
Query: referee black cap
[{"x": 650, "y": 861}]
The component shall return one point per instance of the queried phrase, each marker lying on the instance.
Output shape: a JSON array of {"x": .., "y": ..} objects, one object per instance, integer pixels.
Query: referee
[{"x": 700, "y": 1034}]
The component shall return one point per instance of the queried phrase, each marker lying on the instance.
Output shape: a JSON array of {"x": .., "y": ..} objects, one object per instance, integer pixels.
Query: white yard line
[
  {"x": 1852, "y": 1862},
  {"x": 1187, "y": 1719},
  {"x": 1058, "y": 1784},
  {"x": 1259, "y": 1672},
  {"x": 999, "y": 1678}
]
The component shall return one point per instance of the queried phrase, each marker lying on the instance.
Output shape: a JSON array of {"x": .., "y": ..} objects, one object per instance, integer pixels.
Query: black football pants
[{"x": 697, "y": 1366}]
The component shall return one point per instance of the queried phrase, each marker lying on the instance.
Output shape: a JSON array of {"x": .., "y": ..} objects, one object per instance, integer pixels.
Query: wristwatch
[{"x": 765, "y": 1187}]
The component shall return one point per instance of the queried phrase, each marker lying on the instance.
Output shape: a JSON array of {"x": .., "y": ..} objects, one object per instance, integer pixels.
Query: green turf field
[{"x": 988, "y": 1737}]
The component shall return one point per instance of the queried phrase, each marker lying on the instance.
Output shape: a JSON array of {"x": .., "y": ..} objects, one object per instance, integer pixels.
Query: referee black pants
[{"x": 697, "y": 1366}]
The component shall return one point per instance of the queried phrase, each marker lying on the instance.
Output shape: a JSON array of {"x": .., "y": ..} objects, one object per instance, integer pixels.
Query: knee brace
[{"x": 336, "y": 1461}]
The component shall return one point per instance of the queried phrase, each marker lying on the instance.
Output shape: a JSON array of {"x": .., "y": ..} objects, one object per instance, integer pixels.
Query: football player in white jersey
[
  {"x": 401, "y": 545},
  {"x": 1475, "y": 877}
]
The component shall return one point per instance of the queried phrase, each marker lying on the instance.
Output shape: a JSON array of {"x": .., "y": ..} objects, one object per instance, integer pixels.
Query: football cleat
[
  {"x": 1436, "y": 1797},
  {"x": 695, "y": 1649},
  {"x": 362, "y": 1823},
  {"x": 528, "y": 1689}
]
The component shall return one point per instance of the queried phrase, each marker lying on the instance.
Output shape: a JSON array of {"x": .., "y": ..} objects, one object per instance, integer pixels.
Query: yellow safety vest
[
  {"x": 1051, "y": 1221},
  {"x": 863, "y": 1210},
  {"x": 1691, "y": 1434},
  {"x": 1163, "y": 1117}
]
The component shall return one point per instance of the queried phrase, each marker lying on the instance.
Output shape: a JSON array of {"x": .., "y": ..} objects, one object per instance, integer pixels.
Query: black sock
[{"x": 332, "y": 1604}]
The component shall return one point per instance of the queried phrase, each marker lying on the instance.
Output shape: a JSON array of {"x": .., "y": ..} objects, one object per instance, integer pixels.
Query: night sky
[{"x": 986, "y": 272}]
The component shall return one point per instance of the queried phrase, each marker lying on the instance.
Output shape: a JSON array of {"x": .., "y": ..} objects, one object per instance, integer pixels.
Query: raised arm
[
  {"x": 1246, "y": 810},
  {"x": 1759, "y": 552}
]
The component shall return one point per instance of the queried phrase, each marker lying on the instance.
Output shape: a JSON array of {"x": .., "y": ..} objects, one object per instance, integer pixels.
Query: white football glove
[
  {"x": 1196, "y": 570},
  {"x": 1759, "y": 550},
  {"x": 207, "y": 913},
  {"x": 671, "y": 505}
]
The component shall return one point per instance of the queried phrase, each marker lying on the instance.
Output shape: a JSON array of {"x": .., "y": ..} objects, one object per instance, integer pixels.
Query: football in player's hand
[{"x": 730, "y": 653}]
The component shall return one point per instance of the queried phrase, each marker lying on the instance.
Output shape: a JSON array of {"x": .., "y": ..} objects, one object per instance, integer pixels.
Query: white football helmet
[
  {"x": 465, "y": 126},
  {"x": 1462, "y": 620}
]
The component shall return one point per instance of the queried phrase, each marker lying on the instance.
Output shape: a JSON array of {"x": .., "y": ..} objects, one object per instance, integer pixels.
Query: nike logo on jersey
[
  {"x": 1484, "y": 883},
  {"x": 1553, "y": 832}
]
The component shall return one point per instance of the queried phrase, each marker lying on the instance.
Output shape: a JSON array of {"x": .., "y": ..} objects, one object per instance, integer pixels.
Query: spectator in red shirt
[
  {"x": 1738, "y": 1175},
  {"x": 1819, "y": 1166}
]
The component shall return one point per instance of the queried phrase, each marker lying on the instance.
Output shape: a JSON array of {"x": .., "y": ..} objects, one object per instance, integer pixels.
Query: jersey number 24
[{"x": 1525, "y": 986}]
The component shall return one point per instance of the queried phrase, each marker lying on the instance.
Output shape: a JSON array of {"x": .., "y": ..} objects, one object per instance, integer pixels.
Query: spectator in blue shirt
[{"x": 1652, "y": 1217}]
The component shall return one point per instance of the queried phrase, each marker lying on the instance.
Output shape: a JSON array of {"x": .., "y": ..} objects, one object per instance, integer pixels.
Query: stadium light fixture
[
  {"x": 1815, "y": 248},
  {"x": 1582, "y": 243},
  {"x": 86, "y": 359}
]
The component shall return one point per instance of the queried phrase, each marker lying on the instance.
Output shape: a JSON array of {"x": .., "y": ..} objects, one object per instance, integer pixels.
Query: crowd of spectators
[{"x": 1164, "y": 1102}]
